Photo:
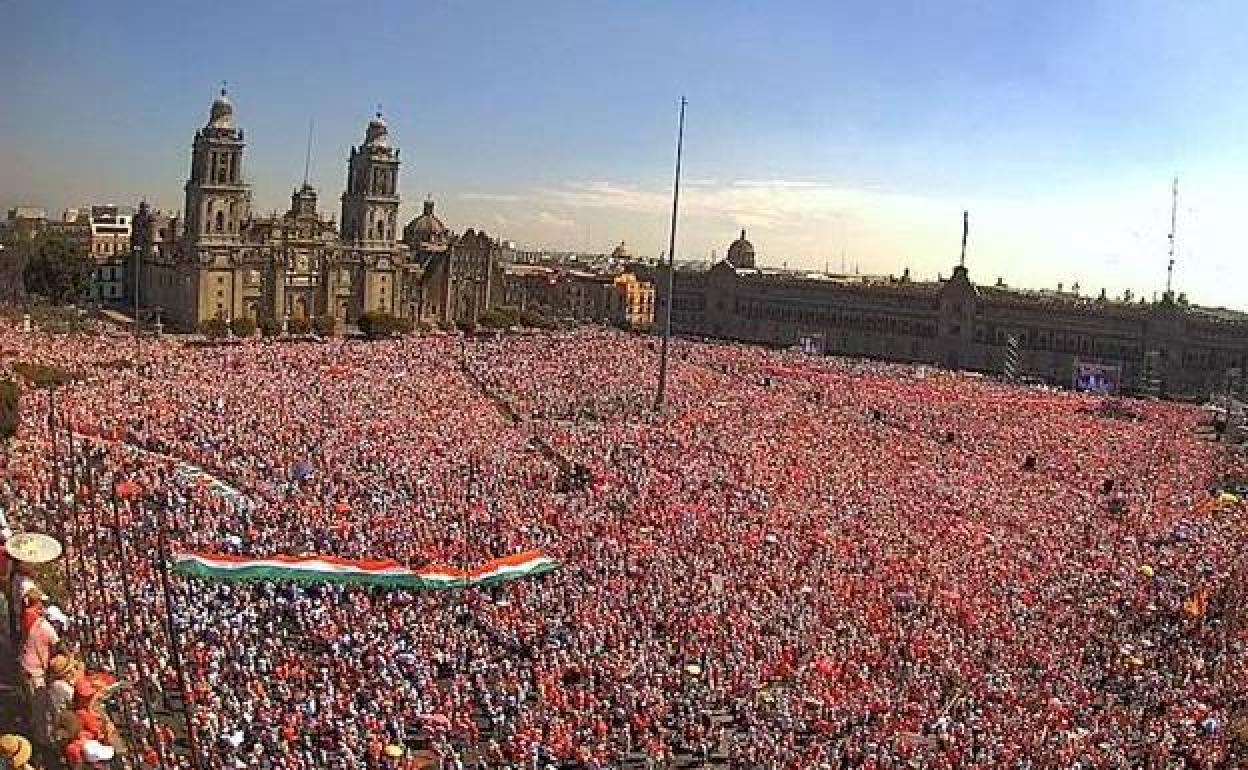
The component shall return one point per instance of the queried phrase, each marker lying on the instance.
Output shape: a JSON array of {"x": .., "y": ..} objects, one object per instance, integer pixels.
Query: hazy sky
[{"x": 825, "y": 128}]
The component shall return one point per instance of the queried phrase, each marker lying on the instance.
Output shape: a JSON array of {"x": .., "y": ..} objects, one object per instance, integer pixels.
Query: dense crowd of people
[{"x": 798, "y": 563}]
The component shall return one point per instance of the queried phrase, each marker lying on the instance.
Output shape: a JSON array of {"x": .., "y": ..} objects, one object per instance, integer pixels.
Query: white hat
[
  {"x": 57, "y": 615},
  {"x": 94, "y": 751}
]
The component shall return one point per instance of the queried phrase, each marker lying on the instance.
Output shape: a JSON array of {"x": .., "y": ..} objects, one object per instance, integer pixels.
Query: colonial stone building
[
  {"x": 585, "y": 295},
  {"x": 955, "y": 323},
  {"x": 220, "y": 260}
]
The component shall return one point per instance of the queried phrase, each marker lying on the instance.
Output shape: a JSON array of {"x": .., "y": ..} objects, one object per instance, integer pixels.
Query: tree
[
  {"x": 298, "y": 326},
  {"x": 57, "y": 270},
  {"x": 270, "y": 327},
  {"x": 13, "y": 259},
  {"x": 243, "y": 327},
  {"x": 9, "y": 404},
  {"x": 499, "y": 318},
  {"x": 324, "y": 325},
  {"x": 382, "y": 325},
  {"x": 42, "y": 375},
  {"x": 535, "y": 320},
  {"x": 213, "y": 328}
]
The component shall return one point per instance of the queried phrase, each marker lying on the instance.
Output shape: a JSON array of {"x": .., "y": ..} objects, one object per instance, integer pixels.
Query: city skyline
[{"x": 862, "y": 133}]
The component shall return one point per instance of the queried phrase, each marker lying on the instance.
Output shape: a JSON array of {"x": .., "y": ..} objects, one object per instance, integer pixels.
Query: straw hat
[
  {"x": 33, "y": 547},
  {"x": 63, "y": 667},
  {"x": 16, "y": 749}
]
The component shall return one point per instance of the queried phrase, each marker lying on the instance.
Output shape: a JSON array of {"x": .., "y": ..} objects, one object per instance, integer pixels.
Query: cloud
[
  {"x": 550, "y": 219},
  {"x": 782, "y": 183},
  {"x": 490, "y": 197},
  {"x": 1112, "y": 235}
]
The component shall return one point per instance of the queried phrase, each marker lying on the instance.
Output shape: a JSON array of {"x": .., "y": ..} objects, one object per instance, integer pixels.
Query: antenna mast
[
  {"x": 1174, "y": 218},
  {"x": 307, "y": 154},
  {"x": 966, "y": 226}
]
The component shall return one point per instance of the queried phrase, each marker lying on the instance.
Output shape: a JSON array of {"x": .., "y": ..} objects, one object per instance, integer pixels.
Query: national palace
[{"x": 1167, "y": 346}]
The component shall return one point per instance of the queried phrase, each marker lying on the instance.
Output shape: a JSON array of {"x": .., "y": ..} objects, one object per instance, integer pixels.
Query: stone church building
[{"x": 220, "y": 260}]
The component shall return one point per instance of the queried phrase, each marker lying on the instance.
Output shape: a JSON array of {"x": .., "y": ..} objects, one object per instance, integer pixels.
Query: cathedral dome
[
  {"x": 425, "y": 229},
  {"x": 377, "y": 134},
  {"x": 621, "y": 252},
  {"x": 741, "y": 252},
  {"x": 222, "y": 112}
]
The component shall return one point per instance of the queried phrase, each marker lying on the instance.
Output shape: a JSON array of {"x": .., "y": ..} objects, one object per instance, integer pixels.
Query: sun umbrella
[{"x": 33, "y": 547}]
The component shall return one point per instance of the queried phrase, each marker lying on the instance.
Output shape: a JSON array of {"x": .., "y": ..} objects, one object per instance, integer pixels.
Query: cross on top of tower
[
  {"x": 379, "y": 109},
  {"x": 224, "y": 87}
]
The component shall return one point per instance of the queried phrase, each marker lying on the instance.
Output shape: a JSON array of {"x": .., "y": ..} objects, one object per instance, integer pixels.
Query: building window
[{"x": 220, "y": 221}]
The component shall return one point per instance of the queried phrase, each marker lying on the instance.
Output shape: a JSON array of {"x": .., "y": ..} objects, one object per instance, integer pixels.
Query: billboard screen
[
  {"x": 1097, "y": 378},
  {"x": 811, "y": 344}
]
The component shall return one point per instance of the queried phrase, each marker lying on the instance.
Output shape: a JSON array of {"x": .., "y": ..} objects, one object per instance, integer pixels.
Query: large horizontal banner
[{"x": 372, "y": 572}]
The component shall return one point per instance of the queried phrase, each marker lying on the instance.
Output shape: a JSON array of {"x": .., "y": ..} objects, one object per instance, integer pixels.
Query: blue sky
[{"x": 827, "y": 129}]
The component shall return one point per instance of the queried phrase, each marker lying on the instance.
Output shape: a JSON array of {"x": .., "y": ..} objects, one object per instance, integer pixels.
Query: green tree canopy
[
  {"x": 9, "y": 404},
  {"x": 57, "y": 269}
]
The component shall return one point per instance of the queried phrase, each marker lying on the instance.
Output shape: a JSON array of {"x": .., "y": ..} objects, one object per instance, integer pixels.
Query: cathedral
[{"x": 218, "y": 260}]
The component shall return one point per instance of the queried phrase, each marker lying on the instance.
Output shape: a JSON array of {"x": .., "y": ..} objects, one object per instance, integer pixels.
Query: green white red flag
[{"x": 375, "y": 572}]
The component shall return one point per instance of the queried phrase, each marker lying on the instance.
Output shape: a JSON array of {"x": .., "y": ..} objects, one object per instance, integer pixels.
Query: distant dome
[
  {"x": 377, "y": 135},
  {"x": 741, "y": 252},
  {"x": 222, "y": 113},
  {"x": 621, "y": 252},
  {"x": 426, "y": 229}
]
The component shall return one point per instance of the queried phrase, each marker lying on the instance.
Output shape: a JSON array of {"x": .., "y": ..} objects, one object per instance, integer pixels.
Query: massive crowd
[{"x": 800, "y": 563}]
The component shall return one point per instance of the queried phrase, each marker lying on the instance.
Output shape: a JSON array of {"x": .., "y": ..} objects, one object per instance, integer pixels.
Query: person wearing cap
[
  {"x": 22, "y": 589},
  {"x": 42, "y": 644},
  {"x": 63, "y": 670},
  {"x": 15, "y": 751}
]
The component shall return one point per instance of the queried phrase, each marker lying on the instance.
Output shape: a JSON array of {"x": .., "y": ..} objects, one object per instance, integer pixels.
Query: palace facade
[
  {"x": 218, "y": 260},
  {"x": 1166, "y": 346}
]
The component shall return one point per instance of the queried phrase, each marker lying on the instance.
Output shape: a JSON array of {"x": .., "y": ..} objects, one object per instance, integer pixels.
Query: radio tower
[{"x": 1174, "y": 218}]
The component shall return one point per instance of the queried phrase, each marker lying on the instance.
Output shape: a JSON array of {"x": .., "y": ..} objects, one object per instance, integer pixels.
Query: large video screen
[{"x": 1097, "y": 378}]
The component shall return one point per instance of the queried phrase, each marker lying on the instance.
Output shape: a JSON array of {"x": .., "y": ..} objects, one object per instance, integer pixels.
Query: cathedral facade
[{"x": 217, "y": 260}]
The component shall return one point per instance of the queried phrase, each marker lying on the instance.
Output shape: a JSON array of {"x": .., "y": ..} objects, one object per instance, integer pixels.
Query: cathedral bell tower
[
  {"x": 370, "y": 206},
  {"x": 218, "y": 201}
]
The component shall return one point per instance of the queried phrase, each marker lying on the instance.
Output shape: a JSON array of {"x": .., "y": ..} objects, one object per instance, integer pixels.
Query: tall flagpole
[{"x": 661, "y": 396}]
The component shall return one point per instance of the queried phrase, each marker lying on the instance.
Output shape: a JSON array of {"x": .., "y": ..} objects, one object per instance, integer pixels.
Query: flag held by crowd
[{"x": 373, "y": 572}]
